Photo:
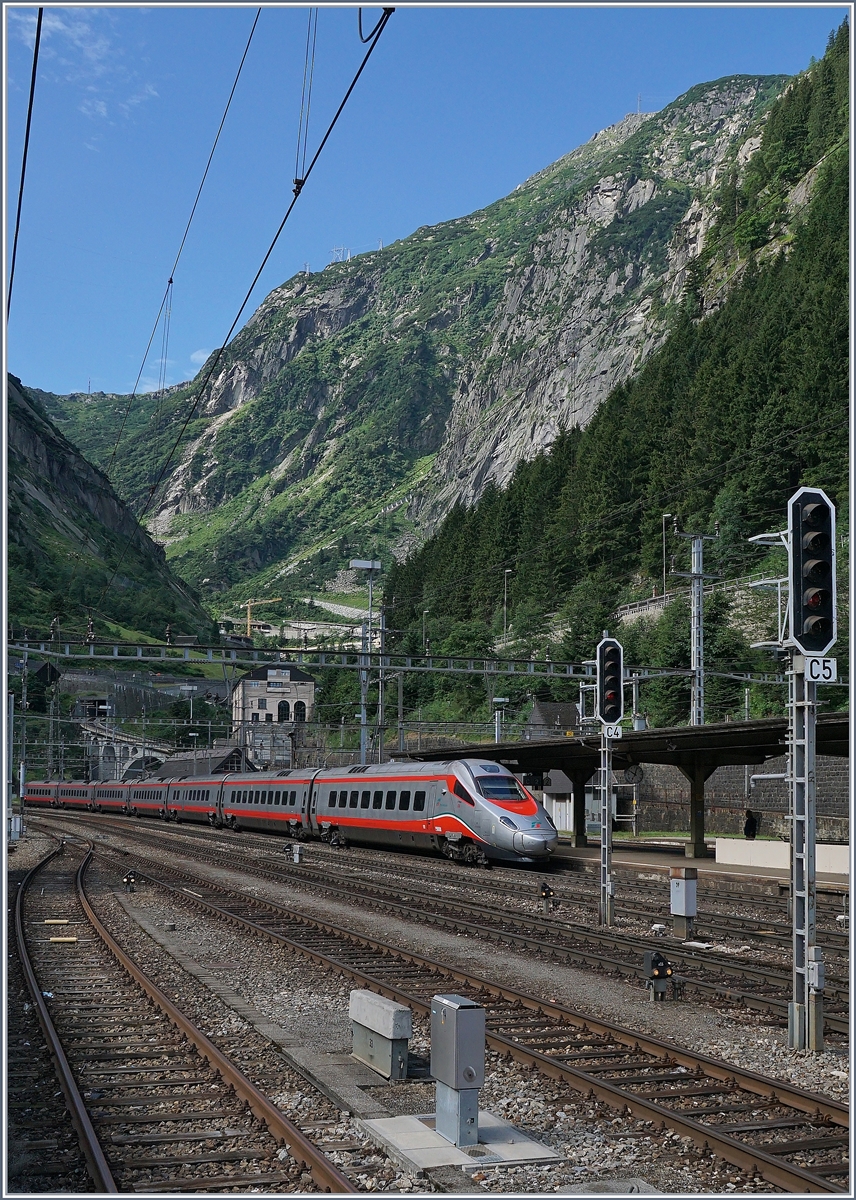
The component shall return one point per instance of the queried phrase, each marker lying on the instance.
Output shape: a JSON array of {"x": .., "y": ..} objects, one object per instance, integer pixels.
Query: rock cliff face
[{"x": 409, "y": 378}]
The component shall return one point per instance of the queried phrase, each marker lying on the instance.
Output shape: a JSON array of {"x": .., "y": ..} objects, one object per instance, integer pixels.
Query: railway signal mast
[
  {"x": 812, "y": 631},
  {"x": 610, "y": 710}
]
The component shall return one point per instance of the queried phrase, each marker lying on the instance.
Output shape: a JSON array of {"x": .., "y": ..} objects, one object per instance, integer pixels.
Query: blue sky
[{"x": 456, "y": 107}]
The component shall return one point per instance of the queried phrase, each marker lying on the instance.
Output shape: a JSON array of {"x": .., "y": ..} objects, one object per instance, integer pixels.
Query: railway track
[
  {"x": 721, "y": 977},
  {"x": 44, "y": 1153},
  {"x": 156, "y": 1105},
  {"x": 795, "y": 1139}
]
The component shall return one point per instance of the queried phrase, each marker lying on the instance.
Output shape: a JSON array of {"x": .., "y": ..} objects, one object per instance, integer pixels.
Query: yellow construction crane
[{"x": 249, "y": 607}]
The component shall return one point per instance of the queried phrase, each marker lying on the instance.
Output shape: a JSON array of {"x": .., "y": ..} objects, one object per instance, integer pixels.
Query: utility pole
[
  {"x": 609, "y": 710},
  {"x": 401, "y": 711},
  {"x": 372, "y": 566},
  {"x": 807, "y": 633},
  {"x": 812, "y": 633},
  {"x": 697, "y": 578},
  {"x": 23, "y": 761},
  {"x": 381, "y": 716}
]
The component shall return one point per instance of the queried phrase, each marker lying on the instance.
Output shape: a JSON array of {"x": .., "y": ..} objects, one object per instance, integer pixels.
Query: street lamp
[
  {"x": 425, "y": 612},
  {"x": 190, "y": 690},
  {"x": 665, "y": 518},
  {"x": 505, "y": 603}
]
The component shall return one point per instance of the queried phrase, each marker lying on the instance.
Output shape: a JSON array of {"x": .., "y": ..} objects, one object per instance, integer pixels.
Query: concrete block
[
  {"x": 415, "y": 1144},
  {"x": 386, "y": 1017},
  {"x": 831, "y": 860}
]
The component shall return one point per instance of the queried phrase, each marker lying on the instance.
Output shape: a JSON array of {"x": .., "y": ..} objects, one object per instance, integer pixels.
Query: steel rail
[
  {"x": 387, "y": 897},
  {"x": 96, "y": 1161},
  {"x": 325, "y": 1174},
  {"x": 793, "y": 1178}
]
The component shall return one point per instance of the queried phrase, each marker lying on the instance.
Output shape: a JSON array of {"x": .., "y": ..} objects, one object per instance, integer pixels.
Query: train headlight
[{"x": 508, "y": 821}]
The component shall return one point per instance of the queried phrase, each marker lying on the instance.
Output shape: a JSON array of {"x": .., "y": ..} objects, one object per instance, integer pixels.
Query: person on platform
[{"x": 750, "y": 825}]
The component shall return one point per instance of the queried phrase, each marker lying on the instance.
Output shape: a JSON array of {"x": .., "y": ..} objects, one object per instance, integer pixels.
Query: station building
[{"x": 273, "y": 694}]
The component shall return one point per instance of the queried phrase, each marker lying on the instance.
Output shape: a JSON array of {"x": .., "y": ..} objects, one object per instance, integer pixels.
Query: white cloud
[
  {"x": 93, "y": 108},
  {"x": 198, "y": 357},
  {"x": 85, "y": 48}
]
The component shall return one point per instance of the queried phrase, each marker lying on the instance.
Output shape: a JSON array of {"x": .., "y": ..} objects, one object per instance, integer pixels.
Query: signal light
[
  {"x": 610, "y": 681},
  {"x": 811, "y": 571}
]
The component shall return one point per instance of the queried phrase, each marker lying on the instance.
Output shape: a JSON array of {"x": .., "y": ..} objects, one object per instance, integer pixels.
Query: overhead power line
[
  {"x": 381, "y": 25},
  {"x": 24, "y": 159},
  {"x": 167, "y": 296}
]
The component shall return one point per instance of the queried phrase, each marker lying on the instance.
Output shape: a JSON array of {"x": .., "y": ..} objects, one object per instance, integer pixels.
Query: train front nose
[{"x": 536, "y": 842}]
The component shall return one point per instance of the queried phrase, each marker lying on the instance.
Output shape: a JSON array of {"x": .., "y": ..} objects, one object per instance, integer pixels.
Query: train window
[
  {"x": 343, "y": 799},
  {"x": 377, "y": 800},
  {"x": 354, "y": 800},
  {"x": 404, "y": 801},
  {"x": 462, "y": 793},
  {"x": 501, "y": 787},
  {"x": 331, "y": 803},
  {"x": 418, "y": 801},
  {"x": 390, "y": 799},
  {"x": 292, "y": 797},
  {"x": 276, "y": 796},
  {"x": 364, "y": 799}
]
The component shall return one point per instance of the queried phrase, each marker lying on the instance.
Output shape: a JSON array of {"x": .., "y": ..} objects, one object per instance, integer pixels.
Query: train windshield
[{"x": 501, "y": 787}]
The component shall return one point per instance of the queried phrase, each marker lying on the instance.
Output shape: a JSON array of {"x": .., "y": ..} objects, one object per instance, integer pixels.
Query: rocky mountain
[
  {"x": 69, "y": 531},
  {"x": 360, "y": 403}
]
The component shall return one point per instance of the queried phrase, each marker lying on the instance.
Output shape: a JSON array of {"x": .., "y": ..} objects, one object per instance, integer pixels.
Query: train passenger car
[
  {"x": 40, "y": 795},
  {"x": 194, "y": 799},
  {"x": 391, "y": 804},
  {"x": 271, "y": 804},
  {"x": 75, "y": 794},
  {"x": 468, "y": 810},
  {"x": 110, "y": 796},
  {"x": 147, "y": 798}
]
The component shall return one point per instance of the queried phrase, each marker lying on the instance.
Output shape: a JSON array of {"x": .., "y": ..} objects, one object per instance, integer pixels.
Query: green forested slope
[
  {"x": 721, "y": 425},
  {"x": 70, "y": 536}
]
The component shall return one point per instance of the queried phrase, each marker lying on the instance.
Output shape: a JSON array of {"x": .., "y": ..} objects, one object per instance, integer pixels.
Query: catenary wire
[
  {"x": 306, "y": 94},
  {"x": 167, "y": 293},
  {"x": 212, "y": 366},
  {"x": 24, "y": 159}
]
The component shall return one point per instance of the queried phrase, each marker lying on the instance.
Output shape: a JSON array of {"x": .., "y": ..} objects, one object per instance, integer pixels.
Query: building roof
[
  {"x": 297, "y": 675},
  {"x": 693, "y": 748},
  {"x": 561, "y": 715},
  {"x": 220, "y": 760}
]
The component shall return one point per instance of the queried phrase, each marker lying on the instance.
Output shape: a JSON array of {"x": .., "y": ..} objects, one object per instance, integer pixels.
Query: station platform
[{"x": 659, "y": 857}]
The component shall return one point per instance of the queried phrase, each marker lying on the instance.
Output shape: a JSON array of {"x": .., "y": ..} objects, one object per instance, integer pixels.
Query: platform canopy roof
[{"x": 692, "y": 748}]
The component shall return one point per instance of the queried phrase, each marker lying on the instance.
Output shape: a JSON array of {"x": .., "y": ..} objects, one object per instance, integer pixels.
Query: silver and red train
[{"x": 470, "y": 810}]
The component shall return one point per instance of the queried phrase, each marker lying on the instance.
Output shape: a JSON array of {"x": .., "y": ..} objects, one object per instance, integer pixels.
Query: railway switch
[
  {"x": 658, "y": 972},
  {"x": 684, "y": 906},
  {"x": 381, "y": 1030},
  {"x": 457, "y": 1064}
]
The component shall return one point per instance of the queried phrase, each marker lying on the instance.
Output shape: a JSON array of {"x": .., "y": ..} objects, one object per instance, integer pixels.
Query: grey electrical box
[
  {"x": 684, "y": 883},
  {"x": 457, "y": 1042}
]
